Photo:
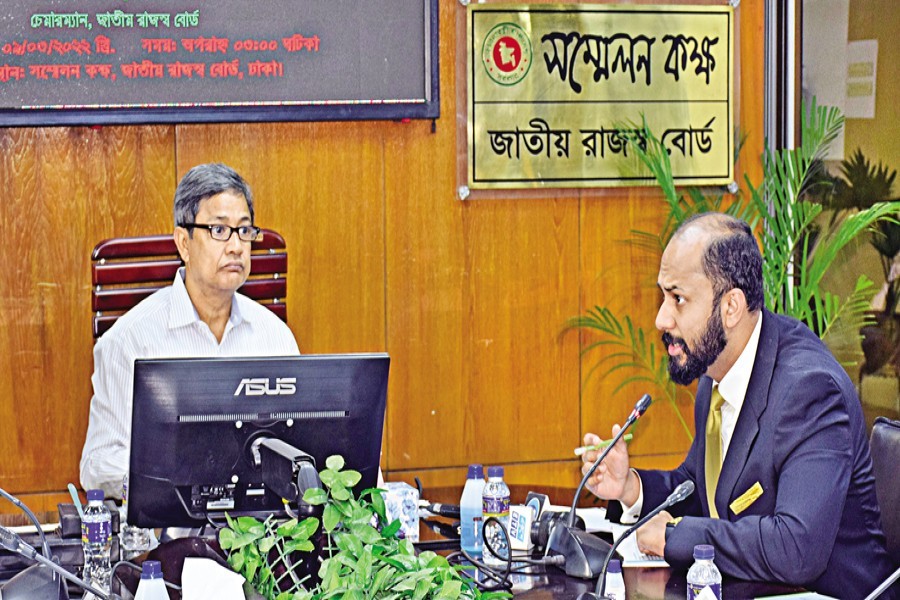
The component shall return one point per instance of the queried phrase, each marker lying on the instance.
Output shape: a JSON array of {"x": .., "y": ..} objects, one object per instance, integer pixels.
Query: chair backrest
[
  {"x": 124, "y": 271},
  {"x": 885, "y": 445}
]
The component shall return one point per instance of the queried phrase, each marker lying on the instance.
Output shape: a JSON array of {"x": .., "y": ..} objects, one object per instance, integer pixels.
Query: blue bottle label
[
  {"x": 96, "y": 533},
  {"x": 711, "y": 591},
  {"x": 495, "y": 506}
]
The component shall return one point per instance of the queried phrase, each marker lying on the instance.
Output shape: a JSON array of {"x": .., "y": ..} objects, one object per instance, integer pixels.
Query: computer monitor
[{"x": 197, "y": 426}]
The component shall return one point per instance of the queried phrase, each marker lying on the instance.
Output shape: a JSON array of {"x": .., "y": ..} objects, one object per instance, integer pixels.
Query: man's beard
[{"x": 698, "y": 360}]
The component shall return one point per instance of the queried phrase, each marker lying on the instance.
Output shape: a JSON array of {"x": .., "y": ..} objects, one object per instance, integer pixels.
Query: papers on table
[
  {"x": 628, "y": 549},
  {"x": 594, "y": 518}
]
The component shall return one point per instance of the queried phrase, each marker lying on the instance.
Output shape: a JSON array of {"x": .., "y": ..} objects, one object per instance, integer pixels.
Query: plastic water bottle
[
  {"x": 96, "y": 540},
  {"x": 135, "y": 540},
  {"x": 615, "y": 584},
  {"x": 704, "y": 582},
  {"x": 470, "y": 515},
  {"x": 152, "y": 586},
  {"x": 495, "y": 503}
]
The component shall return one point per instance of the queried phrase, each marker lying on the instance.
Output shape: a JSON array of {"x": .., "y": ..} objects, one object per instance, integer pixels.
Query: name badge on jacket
[{"x": 746, "y": 499}]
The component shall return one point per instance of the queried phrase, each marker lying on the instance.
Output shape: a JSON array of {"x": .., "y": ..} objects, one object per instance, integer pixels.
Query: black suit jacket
[{"x": 801, "y": 435}]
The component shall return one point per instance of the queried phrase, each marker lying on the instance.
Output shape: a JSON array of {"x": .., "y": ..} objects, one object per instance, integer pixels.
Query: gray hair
[{"x": 205, "y": 181}]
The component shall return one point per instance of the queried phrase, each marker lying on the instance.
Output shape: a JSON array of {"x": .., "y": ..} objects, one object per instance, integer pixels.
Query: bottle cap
[
  {"x": 475, "y": 472},
  {"x": 704, "y": 552},
  {"x": 495, "y": 472},
  {"x": 151, "y": 569},
  {"x": 95, "y": 495},
  {"x": 615, "y": 566}
]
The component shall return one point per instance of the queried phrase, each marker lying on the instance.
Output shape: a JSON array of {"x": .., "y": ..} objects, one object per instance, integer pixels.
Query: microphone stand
[
  {"x": 13, "y": 542},
  {"x": 31, "y": 516},
  {"x": 877, "y": 592},
  {"x": 585, "y": 552},
  {"x": 684, "y": 490}
]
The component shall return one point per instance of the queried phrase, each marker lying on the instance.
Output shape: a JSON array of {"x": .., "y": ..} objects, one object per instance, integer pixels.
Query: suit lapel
[{"x": 747, "y": 427}]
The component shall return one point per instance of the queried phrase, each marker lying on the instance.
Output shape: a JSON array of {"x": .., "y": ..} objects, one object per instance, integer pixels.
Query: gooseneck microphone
[
  {"x": 13, "y": 543},
  {"x": 31, "y": 516},
  {"x": 584, "y": 552},
  {"x": 639, "y": 409},
  {"x": 685, "y": 489}
]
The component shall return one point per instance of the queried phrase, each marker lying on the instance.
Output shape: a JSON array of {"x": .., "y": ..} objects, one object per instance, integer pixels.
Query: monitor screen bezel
[{"x": 295, "y": 398}]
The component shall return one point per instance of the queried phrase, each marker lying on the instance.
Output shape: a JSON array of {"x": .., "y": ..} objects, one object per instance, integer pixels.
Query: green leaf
[
  {"x": 266, "y": 544},
  {"x": 378, "y": 504},
  {"x": 392, "y": 529},
  {"x": 367, "y": 534},
  {"x": 298, "y": 546},
  {"x": 226, "y": 538},
  {"x": 315, "y": 496},
  {"x": 236, "y": 560},
  {"x": 330, "y": 518},
  {"x": 250, "y": 525},
  {"x": 339, "y": 492},
  {"x": 350, "y": 544},
  {"x": 287, "y": 528},
  {"x": 244, "y": 539},
  {"x": 335, "y": 462},
  {"x": 450, "y": 590},
  {"x": 422, "y": 589},
  {"x": 381, "y": 578},
  {"x": 305, "y": 529},
  {"x": 350, "y": 478},
  {"x": 250, "y": 568},
  {"x": 329, "y": 478}
]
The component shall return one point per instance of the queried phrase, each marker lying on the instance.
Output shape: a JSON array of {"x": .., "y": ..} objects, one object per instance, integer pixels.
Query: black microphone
[
  {"x": 685, "y": 489},
  {"x": 13, "y": 543},
  {"x": 444, "y": 510},
  {"x": 584, "y": 553}
]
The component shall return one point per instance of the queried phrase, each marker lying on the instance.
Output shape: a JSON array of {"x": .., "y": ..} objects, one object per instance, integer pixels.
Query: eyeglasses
[{"x": 223, "y": 233}]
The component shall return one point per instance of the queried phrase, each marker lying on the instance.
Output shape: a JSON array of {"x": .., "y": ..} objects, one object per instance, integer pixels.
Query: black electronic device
[
  {"x": 685, "y": 489},
  {"x": 44, "y": 580},
  {"x": 205, "y": 432},
  {"x": 584, "y": 553}
]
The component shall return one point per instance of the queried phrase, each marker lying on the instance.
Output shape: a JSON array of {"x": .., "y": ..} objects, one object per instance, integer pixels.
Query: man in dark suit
[{"x": 785, "y": 490}]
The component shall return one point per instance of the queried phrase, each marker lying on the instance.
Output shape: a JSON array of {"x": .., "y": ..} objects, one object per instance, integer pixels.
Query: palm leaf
[{"x": 632, "y": 353}]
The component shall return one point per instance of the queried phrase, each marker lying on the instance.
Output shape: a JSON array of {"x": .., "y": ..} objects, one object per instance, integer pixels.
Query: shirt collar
[
  {"x": 182, "y": 312},
  {"x": 733, "y": 386}
]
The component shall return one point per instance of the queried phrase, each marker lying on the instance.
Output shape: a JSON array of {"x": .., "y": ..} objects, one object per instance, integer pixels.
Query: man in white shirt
[
  {"x": 200, "y": 315},
  {"x": 781, "y": 462}
]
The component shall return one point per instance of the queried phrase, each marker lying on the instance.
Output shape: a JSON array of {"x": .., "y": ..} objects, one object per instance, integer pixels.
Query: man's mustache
[{"x": 668, "y": 340}]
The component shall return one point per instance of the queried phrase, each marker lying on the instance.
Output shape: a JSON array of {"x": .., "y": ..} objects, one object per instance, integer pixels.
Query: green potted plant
[
  {"x": 860, "y": 185},
  {"x": 362, "y": 556},
  {"x": 798, "y": 252}
]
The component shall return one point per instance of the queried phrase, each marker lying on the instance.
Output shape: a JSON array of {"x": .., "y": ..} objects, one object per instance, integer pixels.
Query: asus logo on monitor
[{"x": 284, "y": 386}]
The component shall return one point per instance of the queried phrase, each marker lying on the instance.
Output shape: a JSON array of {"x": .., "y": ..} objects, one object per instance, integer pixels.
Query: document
[{"x": 628, "y": 550}]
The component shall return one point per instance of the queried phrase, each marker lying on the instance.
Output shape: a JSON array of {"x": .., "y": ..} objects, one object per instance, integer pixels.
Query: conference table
[
  {"x": 641, "y": 583},
  {"x": 551, "y": 583}
]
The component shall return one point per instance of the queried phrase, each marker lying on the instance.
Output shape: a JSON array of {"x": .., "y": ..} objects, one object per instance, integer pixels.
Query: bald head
[{"x": 730, "y": 256}]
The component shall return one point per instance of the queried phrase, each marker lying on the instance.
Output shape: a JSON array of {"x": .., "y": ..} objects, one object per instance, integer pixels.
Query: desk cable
[{"x": 501, "y": 575}]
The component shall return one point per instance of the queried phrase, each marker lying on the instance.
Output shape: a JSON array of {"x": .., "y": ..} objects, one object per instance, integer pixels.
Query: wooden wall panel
[
  {"x": 477, "y": 292},
  {"x": 621, "y": 276},
  {"x": 321, "y": 186},
  {"x": 469, "y": 298},
  {"x": 64, "y": 190}
]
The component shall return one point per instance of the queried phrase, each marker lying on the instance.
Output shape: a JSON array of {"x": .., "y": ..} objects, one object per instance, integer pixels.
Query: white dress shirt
[
  {"x": 165, "y": 325},
  {"x": 733, "y": 388}
]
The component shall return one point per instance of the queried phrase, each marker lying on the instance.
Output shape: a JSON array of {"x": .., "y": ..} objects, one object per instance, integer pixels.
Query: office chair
[
  {"x": 124, "y": 271},
  {"x": 885, "y": 445}
]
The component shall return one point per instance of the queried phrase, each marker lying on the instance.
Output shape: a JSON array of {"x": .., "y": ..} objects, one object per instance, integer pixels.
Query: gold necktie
[{"x": 713, "y": 449}]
